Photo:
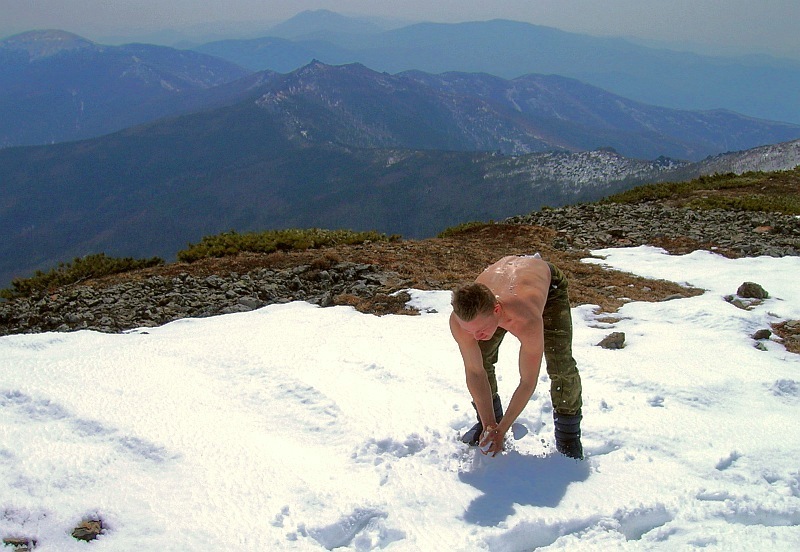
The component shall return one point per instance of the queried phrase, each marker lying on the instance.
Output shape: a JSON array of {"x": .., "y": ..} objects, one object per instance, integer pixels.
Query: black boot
[
  {"x": 472, "y": 436},
  {"x": 568, "y": 434}
]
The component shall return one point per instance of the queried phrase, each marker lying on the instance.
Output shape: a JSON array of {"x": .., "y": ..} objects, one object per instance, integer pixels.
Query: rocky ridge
[
  {"x": 157, "y": 299},
  {"x": 182, "y": 291},
  {"x": 737, "y": 233}
]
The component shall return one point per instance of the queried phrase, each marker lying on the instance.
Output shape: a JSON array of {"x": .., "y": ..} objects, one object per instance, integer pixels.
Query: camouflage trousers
[{"x": 565, "y": 381}]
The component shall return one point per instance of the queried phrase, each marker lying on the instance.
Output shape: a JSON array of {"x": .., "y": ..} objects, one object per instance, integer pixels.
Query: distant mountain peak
[
  {"x": 314, "y": 65},
  {"x": 318, "y": 68},
  {"x": 45, "y": 43},
  {"x": 316, "y": 15},
  {"x": 310, "y": 23}
]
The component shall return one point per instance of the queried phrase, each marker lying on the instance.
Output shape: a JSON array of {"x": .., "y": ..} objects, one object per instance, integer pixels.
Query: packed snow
[{"x": 295, "y": 427}]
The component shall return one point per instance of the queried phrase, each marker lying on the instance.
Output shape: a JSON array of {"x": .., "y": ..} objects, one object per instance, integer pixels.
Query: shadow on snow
[{"x": 515, "y": 478}]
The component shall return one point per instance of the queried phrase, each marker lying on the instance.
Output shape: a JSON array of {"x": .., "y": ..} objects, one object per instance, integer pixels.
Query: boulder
[
  {"x": 751, "y": 290},
  {"x": 615, "y": 340},
  {"x": 88, "y": 530}
]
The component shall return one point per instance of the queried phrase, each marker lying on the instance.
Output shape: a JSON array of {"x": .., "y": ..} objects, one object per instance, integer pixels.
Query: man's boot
[
  {"x": 472, "y": 436},
  {"x": 568, "y": 434}
]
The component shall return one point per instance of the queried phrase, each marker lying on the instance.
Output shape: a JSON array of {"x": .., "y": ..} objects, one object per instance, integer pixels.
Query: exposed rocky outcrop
[
  {"x": 157, "y": 300},
  {"x": 613, "y": 225},
  {"x": 19, "y": 544}
]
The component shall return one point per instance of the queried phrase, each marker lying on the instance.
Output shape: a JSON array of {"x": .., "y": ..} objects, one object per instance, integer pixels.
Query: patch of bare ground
[
  {"x": 683, "y": 245},
  {"x": 443, "y": 263},
  {"x": 789, "y": 332}
]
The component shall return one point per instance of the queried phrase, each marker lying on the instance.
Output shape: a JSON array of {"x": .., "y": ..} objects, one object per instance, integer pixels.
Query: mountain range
[
  {"x": 152, "y": 148},
  {"x": 56, "y": 86},
  {"x": 59, "y": 87},
  {"x": 758, "y": 86},
  {"x": 324, "y": 146},
  {"x": 107, "y": 198}
]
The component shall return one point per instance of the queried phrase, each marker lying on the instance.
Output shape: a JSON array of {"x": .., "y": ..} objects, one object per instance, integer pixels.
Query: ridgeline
[{"x": 747, "y": 215}]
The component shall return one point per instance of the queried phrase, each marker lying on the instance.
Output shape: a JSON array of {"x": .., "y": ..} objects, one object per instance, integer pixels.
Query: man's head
[
  {"x": 471, "y": 301},
  {"x": 476, "y": 309}
]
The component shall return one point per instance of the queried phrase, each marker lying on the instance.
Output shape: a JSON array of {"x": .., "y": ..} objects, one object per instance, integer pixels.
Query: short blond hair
[{"x": 472, "y": 300}]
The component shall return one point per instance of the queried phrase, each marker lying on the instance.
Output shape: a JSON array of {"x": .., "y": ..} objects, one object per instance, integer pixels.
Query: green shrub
[
  {"x": 453, "y": 231},
  {"x": 768, "y": 191},
  {"x": 232, "y": 243},
  {"x": 670, "y": 190},
  {"x": 768, "y": 204},
  {"x": 84, "y": 268}
]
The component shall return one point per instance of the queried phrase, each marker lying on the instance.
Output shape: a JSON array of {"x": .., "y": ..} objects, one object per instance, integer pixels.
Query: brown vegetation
[
  {"x": 443, "y": 263},
  {"x": 789, "y": 332}
]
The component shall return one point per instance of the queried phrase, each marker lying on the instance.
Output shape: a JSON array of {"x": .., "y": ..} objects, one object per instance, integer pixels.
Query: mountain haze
[
  {"x": 311, "y": 24},
  {"x": 181, "y": 145},
  {"x": 757, "y": 86},
  {"x": 55, "y": 86},
  {"x": 60, "y": 87},
  {"x": 355, "y": 106},
  {"x": 294, "y": 154},
  {"x": 584, "y": 117}
]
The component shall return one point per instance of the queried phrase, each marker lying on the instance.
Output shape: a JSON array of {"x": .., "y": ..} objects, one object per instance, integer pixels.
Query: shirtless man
[{"x": 527, "y": 297}]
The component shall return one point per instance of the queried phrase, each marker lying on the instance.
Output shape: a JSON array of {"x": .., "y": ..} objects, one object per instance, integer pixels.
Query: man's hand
[{"x": 491, "y": 440}]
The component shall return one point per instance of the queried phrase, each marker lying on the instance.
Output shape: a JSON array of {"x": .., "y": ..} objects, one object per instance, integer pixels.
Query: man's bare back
[{"x": 520, "y": 285}]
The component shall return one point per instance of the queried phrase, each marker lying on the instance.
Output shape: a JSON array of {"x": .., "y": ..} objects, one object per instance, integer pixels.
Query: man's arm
[
  {"x": 476, "y": 378},
  {"x": 530, "y": 361}
]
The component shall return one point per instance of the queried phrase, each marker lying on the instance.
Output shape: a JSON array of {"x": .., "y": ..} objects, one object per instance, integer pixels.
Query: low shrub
[
  {"x": 669, "y": 190},
  {"x": 454, "y": 231},
  {"x": 750, "y": 191},
  {"x": 233, "y": 243},
  {"x": 768, "y": 204},
  {"x": 84, "y": 268}
]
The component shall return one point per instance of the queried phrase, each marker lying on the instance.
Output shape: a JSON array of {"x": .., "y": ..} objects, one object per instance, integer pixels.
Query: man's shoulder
[{"x": 455, "y": 328}]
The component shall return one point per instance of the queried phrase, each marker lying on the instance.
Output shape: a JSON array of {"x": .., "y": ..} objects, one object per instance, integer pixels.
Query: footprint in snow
[{"x": 363, "y": 528}]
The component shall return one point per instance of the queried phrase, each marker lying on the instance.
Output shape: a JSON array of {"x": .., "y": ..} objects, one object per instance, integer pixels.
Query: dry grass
[
  {"x": 443, "y": 263},
  {"x": 753, "y": 191}
]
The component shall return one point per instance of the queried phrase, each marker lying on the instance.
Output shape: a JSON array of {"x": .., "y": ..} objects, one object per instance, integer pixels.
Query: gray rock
[
  {"x": 591, "y": 226},
  {"x": 157, "y": 300},
  {"x": 762, "y": 334},
  {"x": 751, "y": 290},
  {"x": 88, "y": 530},
  {"x": 615, "y": 340},
  {"x": 251, "y": 303}
]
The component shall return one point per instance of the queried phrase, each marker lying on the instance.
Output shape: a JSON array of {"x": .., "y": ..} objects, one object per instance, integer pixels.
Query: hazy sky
[{"x": 758, "y": 26}]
